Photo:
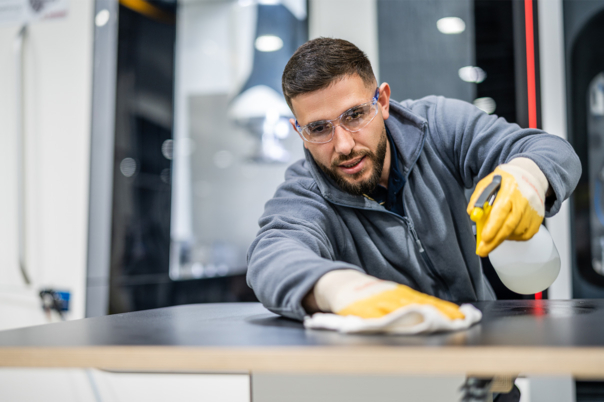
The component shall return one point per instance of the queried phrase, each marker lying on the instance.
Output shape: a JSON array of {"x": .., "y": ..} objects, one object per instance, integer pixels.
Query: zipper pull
[{"x": 415, "y": 236}]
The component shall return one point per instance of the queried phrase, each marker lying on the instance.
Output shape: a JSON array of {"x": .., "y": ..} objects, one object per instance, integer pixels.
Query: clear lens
[
  {"x": 318, "y": 132},
  {"x": 359, "y": 117},
  {"x": 352, "y": 120}
]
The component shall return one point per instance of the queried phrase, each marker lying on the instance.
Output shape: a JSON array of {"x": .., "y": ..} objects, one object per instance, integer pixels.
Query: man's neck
[{"x": 386, "y": 169}]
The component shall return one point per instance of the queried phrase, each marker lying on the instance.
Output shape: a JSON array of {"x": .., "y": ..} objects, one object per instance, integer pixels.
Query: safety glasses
[{"x": 353, "y": 120}]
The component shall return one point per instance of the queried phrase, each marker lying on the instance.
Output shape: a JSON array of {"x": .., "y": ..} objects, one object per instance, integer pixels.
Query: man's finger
[
  {"x": 388, "y": 306},
  {"x": 522, "y": 227},
  {"x": 496, "y": 219},
  {"x": 484, "y": 249},
  {"x": 533, "y": 228},
  {"x": 508, "y": 226}
]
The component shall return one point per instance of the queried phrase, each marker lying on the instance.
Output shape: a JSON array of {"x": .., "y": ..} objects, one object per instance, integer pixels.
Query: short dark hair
[{"x": 319, "y": 62}]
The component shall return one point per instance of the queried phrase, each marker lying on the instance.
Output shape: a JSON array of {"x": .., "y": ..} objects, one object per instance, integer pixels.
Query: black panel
[
  {"x": 418, "y": 60},
  {"x": 589, "y": 391},
  {"x": 495, "y": 54},
  {"x": 584, "y": 29},
  {"x": 501, "y": 52}
]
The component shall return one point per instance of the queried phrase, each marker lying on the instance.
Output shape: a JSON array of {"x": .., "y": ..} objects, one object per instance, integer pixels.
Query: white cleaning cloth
[{"x": 411, "y": 319}]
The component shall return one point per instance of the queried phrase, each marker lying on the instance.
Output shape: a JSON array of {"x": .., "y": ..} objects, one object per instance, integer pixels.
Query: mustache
[{"x": 353, "y": 155}]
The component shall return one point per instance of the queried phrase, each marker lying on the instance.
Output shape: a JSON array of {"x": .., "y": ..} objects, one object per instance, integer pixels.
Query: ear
[
  {"x": 384, "y": 100},
  {"x": 293, "y": 123}
]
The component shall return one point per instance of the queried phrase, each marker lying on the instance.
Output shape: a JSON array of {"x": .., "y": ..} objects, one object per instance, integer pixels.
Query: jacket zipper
[
  {"x": 433, "y": 273},
  {"x": 422, "y": 252}
]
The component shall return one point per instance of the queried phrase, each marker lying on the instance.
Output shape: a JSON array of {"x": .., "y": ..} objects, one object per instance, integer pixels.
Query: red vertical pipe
[
  {"x": 530, "y": 73},
  {"x": 530, "y": 63}
]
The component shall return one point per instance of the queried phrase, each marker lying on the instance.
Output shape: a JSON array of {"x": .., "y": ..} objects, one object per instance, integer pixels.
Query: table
[{"x": 535, "y": 336}]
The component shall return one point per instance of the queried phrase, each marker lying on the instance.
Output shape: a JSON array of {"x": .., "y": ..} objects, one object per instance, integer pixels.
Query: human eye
[
  {"x": 354, "y": 114},
  {"x": 318, "y": 128}
]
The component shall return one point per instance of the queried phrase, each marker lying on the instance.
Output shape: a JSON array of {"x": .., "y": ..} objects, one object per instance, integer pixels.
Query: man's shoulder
[
  {"x": 422, "y": 106},
  {"x": 426, "y": 100},
  {"x": 445, "y": 113},
  {"x": 298, "y": 170},
  {"x": 298, "y": 197},
  {"x": 299, "y": 177}
]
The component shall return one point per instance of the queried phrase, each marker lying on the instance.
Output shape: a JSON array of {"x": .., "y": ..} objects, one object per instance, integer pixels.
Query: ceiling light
[
  {"x": 451, "y": 25},
  {"x": 472, "y": 74},
  {"x": 486, "y": 104},
  {"x": 268, "y": 43},
  {"x": 102, "y": 18},
  {"x": 128, "y": 167}
]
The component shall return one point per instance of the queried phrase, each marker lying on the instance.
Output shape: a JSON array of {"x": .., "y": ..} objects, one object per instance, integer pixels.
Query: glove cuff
[
  {"x": 338, "y": 289},
  {"x": 530, "y": 180},
  {"x": 531, "y": 168}
]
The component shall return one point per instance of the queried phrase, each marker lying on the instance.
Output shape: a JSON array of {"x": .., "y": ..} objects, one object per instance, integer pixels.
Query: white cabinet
[
  {"x": 57, "y": 74},
  {"x": 90, "y": 385}
]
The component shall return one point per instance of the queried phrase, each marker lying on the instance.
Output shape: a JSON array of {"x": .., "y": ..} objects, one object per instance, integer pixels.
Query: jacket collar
[{"x": 408, "y": 134}]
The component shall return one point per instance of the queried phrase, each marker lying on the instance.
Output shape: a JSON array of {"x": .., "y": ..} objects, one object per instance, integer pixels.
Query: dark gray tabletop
[{"x": 566, "y": 323}]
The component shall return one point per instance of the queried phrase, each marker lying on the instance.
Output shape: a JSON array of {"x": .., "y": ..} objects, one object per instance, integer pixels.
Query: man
[{"x": 376, "y": 213}]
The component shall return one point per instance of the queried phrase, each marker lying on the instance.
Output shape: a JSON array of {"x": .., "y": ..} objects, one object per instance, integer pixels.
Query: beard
[{"x": 368, "y": 185}]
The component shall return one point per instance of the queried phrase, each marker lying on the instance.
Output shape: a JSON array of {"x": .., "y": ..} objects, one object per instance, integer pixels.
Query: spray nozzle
[{"x": 483, "y": 204}]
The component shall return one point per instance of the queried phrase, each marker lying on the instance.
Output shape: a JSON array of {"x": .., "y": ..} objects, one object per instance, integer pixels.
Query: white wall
[
  {"x": 553, "y": 112},
  {"x": 57, "y": 106}
]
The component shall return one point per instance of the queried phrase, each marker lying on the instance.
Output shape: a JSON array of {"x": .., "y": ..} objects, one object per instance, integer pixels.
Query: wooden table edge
[{"x": 582, "y": 363}]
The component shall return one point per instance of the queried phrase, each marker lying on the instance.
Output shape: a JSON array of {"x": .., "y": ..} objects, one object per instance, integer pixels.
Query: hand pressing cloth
[
  {"x": 412, "y": 319},
  {"x": 364, "y": 304}
]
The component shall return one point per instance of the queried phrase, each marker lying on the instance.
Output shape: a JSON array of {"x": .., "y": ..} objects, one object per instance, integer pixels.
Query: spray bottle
[{"x": 525, "y": 267}]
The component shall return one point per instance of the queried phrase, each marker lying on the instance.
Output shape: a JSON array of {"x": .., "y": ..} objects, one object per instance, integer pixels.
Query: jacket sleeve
[
  {"x": 473, "y": 143},
  {"x": 293, "y": 248}
]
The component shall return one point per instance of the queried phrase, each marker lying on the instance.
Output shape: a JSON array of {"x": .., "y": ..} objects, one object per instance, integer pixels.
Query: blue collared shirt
[{"x": 392, "y": 197}]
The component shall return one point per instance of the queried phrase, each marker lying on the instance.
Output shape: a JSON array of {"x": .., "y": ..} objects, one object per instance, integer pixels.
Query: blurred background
[{"x": 141, "y": 138}]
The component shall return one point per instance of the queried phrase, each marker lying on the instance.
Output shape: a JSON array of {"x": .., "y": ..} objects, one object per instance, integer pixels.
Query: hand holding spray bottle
[{"x": 525, "y": 267}]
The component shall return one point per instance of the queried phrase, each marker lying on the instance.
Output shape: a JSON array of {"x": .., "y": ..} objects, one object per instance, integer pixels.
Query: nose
[{"x": 343, "y": 140}]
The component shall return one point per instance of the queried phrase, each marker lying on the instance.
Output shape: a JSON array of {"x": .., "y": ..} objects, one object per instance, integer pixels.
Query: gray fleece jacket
[{"x": 311, "y": 227}]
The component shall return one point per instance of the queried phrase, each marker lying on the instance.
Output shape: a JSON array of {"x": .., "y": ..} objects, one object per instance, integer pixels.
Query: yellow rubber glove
[
  {"x": 519, "y": 207},
  {"x": 350, "y": 292}
]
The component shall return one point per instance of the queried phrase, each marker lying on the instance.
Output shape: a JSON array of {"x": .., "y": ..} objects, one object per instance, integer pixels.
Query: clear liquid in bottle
[{"x": 527, "y": 267}]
